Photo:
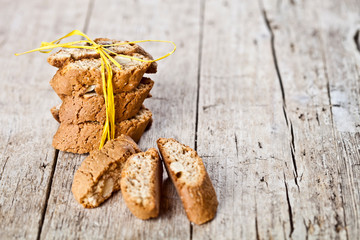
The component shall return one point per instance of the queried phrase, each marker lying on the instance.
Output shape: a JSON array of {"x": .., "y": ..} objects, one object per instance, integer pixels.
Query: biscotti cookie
[
  {"x": 187, "y": 171},
  {"x": 99, "y": 174},
  {"x": 91, "y": 106},
  {"x": 76, "y": 78},
  {"x": 141, "y": 180},
  {"x": 85, "y": 137},
  {"x": 64, "y": 55}
]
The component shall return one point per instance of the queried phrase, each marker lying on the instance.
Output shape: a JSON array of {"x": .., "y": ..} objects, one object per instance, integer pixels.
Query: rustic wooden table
[{"x": 268, "y": 92}]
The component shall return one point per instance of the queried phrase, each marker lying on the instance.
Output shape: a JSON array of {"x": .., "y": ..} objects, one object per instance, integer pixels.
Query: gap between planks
[
  {"x": 200, "y": 44},
  {"x": 48, "y": 189}
]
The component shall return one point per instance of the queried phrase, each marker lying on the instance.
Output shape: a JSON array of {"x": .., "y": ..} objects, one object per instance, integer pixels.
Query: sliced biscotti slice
[
  {"x": 141, "y": 181},
  {"x": 99, "y": 174},
  {"x": 86, "y": 137},
  {"x": 79, "y": 77},
  {"x": 91, "y": 106},
  {"x": 188, "y": 173},
  {"x": 64, "y": 55}
]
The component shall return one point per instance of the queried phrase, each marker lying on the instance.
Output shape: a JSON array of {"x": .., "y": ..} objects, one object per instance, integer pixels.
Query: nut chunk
[
  {"x": 141, "y": 181},
  {"x": 99, "y": 174},
  {"x": 191, "y": 180}
]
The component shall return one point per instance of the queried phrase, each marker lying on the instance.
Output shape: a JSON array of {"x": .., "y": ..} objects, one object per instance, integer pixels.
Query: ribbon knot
[
  {"x": 97, "y": 46},
  {"x": 106, "y": 60}
]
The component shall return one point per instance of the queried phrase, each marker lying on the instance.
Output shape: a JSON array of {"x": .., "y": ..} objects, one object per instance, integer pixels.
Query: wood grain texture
[
  {"x": 26, "y": 155},
  {"x": 173, "y": 105},
  {"x": 308, "y": 116},
  {"x": 268, "y": 92},
  {"x": 312, "y": 166},
  {"x": 342, "y": 57},
  {"x": 305, "y": 44},
  {"x": 242, "y": 134}
]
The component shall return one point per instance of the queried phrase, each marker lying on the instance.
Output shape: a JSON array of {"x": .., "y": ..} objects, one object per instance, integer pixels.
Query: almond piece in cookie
[
  {"x": 187, "y": 171},
  {"x": 141, "y": 181},
  {"x": 99, "y": 174}
]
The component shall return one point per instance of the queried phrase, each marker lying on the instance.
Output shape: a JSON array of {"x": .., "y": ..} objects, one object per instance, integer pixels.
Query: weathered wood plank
[
  {"x": 173, "y": 105},
  {"x": 317, "y": 191},
  {"x": 278, "y": 117},
  {"x": 242, "y": 133},
  {"x": 342, "y": 55},
  {"x": 313, "y": 189},
  {"x": 26, "y": 155}
]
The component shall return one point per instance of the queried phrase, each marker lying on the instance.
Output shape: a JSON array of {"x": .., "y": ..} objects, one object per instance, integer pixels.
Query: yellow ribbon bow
[{"x": 106, "y": 59}]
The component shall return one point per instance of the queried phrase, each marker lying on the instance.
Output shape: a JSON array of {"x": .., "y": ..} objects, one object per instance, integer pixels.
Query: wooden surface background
[{"x": 268, "y": 92}]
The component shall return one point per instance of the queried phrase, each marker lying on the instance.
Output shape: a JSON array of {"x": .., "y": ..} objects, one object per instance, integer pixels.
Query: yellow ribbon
[{"x": 106, "y": 59}]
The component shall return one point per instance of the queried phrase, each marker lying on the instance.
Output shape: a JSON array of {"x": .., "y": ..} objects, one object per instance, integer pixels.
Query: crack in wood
[
  {"x": 7, "y": 158},
  {"x": 3, "y": 168},
  {"x": 307, "y": 230},
  {"x": 317, "y": 119},
  {"x": 287, "y": 120},
  {"x": 191, "y": 231},
  {"x": 273, "y": 51},
  {"x": 293, "y": 157},
  {"x": 200, "y": 44},
  {"x": 256, "y": 222},
  {"x": 357, "y": 40},
  {"x": 338, "y": 225},
  {"x": 289, "y": 208},
  {"x": 201, "y": 36},
  {"x": 236, "y": 145},
  {"x": 257, "y": 229},
  {"x": 285, "y": 116},
  {"x": 328, "y": 89},
  {"x": 47, "y": 196},
  {"x": 262, "y": 179},
  {"x": 209, "y": 106},
  {"x": 329, "y": 97},
  {"x": 292, "y": 136}
]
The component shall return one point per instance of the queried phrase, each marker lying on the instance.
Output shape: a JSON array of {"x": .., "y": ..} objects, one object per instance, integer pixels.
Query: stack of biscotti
[{"x": 78, "y": 83}]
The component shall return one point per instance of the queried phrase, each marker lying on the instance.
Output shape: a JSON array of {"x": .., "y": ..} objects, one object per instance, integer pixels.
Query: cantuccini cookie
[
  {"x": 85, "y": 137},
  {"x": 187, "y": 171},
  {"x": 141, "y": 181},
  {"x": 99, "y": 174},
  {"x": 91, "y": 107},
  {"x": 64, "y": 55},
  {"x": 81, "y": 76}
]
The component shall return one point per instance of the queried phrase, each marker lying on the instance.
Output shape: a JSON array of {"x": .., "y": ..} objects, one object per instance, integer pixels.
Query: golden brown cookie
[
  {"x": 99, "y": 174},
  {"x": 64, "y": 55},
  {"x": 141, "y": 181},
  {"x": 187, "y": 171},
  {"x": 91, "y": 106},
  {"x": 75, "y": 78},
  {"x": 86, "y": 137}
]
